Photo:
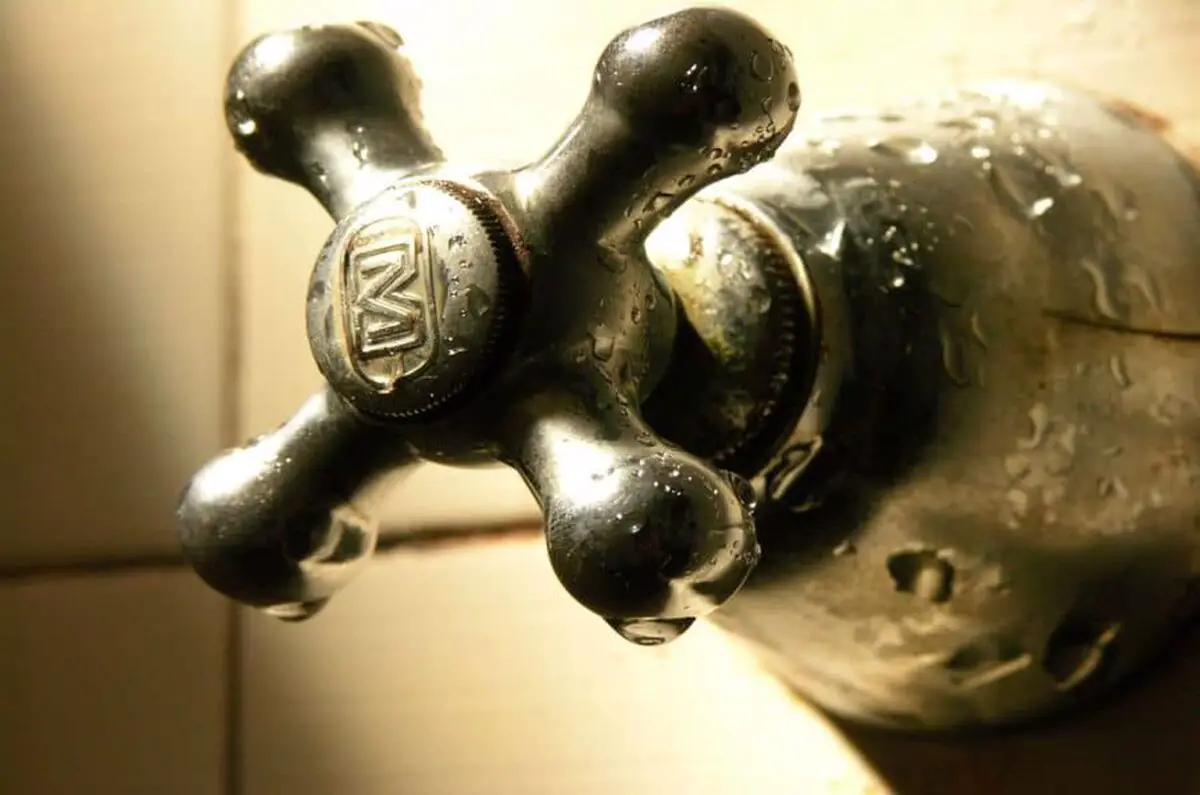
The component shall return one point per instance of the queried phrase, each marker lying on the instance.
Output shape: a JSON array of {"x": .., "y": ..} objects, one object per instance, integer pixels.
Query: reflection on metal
[{"x": 932, "y": 368}]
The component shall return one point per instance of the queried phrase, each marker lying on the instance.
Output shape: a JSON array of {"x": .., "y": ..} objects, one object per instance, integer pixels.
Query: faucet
[{"x": 907, "y": 398}]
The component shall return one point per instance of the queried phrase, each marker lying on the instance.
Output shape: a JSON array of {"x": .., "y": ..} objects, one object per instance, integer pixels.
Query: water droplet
[
  {"x": 1039, "y": 421},
  {"x": 846, "y": 547},
  {"x": 1129, "y": 205},
  {"x": 612, "y": 261},
  {"x": 360, "y": 152},
  {"x": 713, "y": 170},
  {"x": 1116, "y": 366},
  {"x": 902, "y": 256},
  {"x": 953, "y": 357},
  {"x": 993, "y": 578},
  {"x": 793, "y": 97},
  {"x": 970, "y": 657},
  {"x": 1040, "y": 207},
  {"x": 912, "y": 150},
  {"x": 759, "y": 300},
  {"x": 635, "y": 314},
  {"x": 1078, "y": 649},
  {"x": 977, "y": 330},
  {"x": 650, "y": 631},
  {"x": 980, "y": 152},
  {"x": 1112, "y": 487},
  {"x": 1102, "y": 293},
  {"x": 762, "y": 67},
  {"x": 986, "y": 661},
  {"x": 1018, "y": 501},
  {"x": 455, "y": 351},
  {"x": 1141, "y": 280},
  {"x": 922, "y": 572},
  {"x": 785, "y": 475},
  {"x": 388, "y": 35},
  {"x": 1065, "y": 177},
  {"x": 1014, "y": 191},
  {"x": 247, "y": 126},
  {"x": 657, "y": 202},
  {"x": 727, "y": 266},
  {"x": 743, "y": 489},
  {"x": 602, "y": 345},
  {"x": 296, "y": 611},
  {"x": 685, "y": 180},
  {"x": 1017, "y": 465},
  {"x": 478, "y": 302}
]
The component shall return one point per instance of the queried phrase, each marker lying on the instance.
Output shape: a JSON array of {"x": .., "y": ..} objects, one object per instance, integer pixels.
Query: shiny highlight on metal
[{"x": 932, "y": 368}]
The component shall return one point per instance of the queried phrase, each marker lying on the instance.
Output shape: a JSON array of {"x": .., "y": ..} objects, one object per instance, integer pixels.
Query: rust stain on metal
[{"x": 1135, "y": 115}]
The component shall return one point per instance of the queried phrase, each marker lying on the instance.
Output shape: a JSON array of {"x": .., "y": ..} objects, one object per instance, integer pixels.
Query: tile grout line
[
  {"x": 230, "y": 387},
  {"x": 430, "y": 538},
  {"x": 234, "y": 700},
  {"x": 88, "y": 567}
]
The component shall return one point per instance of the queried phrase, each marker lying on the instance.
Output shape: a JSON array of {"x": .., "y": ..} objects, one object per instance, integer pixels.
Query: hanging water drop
[
  {"x": 603, "y": 344},
  {"x": 650, "y": 631}
]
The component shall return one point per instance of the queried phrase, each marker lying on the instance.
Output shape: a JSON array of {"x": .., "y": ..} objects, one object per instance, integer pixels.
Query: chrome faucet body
[
  {"x": 987, "y": 507},
  {"x": 909, "y": 394}
]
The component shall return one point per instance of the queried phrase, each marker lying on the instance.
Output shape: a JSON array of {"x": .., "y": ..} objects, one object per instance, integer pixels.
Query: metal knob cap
[
  {"x": 409, "y": 304},
  {"x": 510, "y": 315}
]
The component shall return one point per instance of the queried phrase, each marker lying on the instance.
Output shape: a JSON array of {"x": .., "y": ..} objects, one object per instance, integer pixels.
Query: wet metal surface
[
  {"x": 988, "y": 509},
  {"x": 935, "y": 365}
]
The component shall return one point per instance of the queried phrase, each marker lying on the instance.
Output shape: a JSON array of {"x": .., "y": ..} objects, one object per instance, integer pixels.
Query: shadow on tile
[
  {"x": 112, "y": 685},
  {"x": 108, "y": 226}
]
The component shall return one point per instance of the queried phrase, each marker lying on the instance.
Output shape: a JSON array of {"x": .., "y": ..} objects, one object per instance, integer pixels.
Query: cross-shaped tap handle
[{"x": 462, "y": 316}]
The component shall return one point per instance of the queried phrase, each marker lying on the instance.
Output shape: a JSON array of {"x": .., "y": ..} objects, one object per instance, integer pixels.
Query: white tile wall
[
  {"x": 464, "y": 670},
  {"x": 111, "y": 247},
  {"x": 112, "y": 685},
  {"x": 468, "y": 671}
]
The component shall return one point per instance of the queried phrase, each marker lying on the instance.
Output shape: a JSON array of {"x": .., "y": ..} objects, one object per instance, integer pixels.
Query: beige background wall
[{"x": 153, "y": 291}]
